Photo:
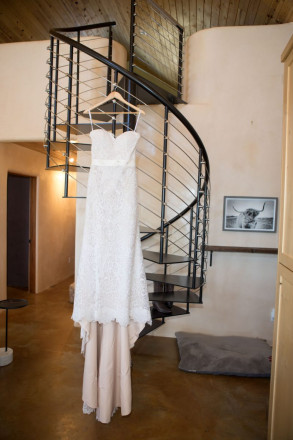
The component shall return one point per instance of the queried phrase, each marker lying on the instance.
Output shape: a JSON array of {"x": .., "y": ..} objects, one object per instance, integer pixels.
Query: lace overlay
[{"x": 111, "y": 282}]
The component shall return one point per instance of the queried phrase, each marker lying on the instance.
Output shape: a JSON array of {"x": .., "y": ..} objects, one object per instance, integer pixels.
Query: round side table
[{"x": 6, "y": 353}]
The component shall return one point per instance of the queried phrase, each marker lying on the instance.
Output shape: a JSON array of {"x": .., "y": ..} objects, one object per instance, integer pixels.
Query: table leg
[{"x": 6, "y": 332}]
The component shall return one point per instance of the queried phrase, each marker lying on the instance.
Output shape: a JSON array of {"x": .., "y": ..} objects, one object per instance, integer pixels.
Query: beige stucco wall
[
  {"x": 23, "y": 86},
  {"x": 234, "y": 87},
  {"x": 55, "y": 217}
]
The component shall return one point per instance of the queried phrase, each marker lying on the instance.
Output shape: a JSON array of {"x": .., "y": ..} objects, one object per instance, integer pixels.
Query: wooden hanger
[{"x": 118, "y": 97}]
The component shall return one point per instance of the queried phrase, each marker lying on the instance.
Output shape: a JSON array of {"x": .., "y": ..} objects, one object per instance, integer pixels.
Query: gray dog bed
[{"x": 228, "y": 355}]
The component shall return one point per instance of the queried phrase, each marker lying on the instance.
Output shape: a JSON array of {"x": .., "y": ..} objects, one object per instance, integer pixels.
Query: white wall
[{"x": 234, "y": 86}]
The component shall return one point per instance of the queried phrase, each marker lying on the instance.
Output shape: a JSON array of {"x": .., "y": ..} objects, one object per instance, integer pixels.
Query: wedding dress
[{"x": 111, "y": 301}]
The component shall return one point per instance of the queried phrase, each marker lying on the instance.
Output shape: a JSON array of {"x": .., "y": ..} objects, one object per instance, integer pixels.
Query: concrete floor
[{"x": 41, "y": 390}]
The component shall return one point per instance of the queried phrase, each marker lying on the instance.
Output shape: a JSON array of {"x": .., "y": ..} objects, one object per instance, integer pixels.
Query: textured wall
[{"x": 55, "y": 217}]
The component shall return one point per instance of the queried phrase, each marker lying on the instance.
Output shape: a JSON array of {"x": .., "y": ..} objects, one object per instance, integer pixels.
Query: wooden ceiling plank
[
  {"x": 74, "y": 19},
  {"x": 30, "y": 27},
  {"x": 186, "y": 14},
  {"x": 177, "y": 7},
  {"x": 17, "y": 19},
  {"x": 192, "y": 16},
  {"x": 123, "y": 29},
  {"x": 251, "y": 12},
  {"x": 199, "y": 17},
  {"x": 281, "y": 11},
  {"x": 6, "y": 35},
  {"x": 58, "y": 14},
  {"x": 44, "y": 16},
  {"x": 98, "y": 12},
  {"x": 173, "y": 9},
  {"x": 276, "y": 15},
  {"x": 262, "y": 12},
  {"x": 223, "y": 16},
  {"x": 271, "y": 12},
  {"x": 288, "y": 17},
  {"x": 80, "y": 10},
  {"x": 216, "y": 5},
  {"x": 54, "y": 13},
  {"x": 242, "y": 12},
  {"x": 207, "y": 8},
  {"x": 232, "y": 12}
]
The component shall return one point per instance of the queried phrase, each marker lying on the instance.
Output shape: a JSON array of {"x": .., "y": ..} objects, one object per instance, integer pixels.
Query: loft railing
[
  {"x": 156, "y": 46},
  {"x": 172, "y": 163}
]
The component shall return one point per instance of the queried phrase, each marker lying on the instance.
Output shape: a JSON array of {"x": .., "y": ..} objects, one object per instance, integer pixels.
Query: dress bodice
[{"x": 111, "y": 151}]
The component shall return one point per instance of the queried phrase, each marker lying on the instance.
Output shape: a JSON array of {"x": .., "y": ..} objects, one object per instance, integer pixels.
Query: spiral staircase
[{"x": 172, "y": 163}]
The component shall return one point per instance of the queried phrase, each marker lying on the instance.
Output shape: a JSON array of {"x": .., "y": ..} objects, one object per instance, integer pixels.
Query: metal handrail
[
  {"x": 138, "y": 81},
  {"x": 86, "y": 27}
]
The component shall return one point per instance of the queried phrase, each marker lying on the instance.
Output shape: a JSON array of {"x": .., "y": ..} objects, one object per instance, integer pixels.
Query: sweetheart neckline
[{"x": 112, "y": 135}]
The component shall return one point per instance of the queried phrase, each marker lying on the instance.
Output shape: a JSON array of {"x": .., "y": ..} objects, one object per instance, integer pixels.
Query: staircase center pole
[
  {"x": 77, "y": 80},
  {"x": 110, "y": 47},
  {"x": 164, "y": 179},
  {"x": 131, "y": 88},
  {"x": 197, "y": 236},
  {"x": 49, "y": 103},
  {"x": 69, "y": 103}
]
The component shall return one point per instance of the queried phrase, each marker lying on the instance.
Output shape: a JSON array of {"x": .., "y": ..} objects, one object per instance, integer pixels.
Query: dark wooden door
[{"x": 18, "y": 230}]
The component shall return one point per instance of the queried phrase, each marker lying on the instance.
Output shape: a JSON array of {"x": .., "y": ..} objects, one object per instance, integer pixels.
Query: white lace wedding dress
[{"x": 111, "y": 300}]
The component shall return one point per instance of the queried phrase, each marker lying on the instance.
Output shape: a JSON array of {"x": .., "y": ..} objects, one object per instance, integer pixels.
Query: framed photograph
[{"x": 251, "y": 214}]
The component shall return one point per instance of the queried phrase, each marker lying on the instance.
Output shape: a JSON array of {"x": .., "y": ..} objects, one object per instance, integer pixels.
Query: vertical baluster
[
  {"x": 204, "y": 234},
  {"x": 77, "y": 80},
  {"x": 189, "y": 254},
  {"x": 114, "y": 104},
  {"x": 166, "y": 246},
  {"x": 132, "y": 34},
  {"x": 56, "y": 90},
  {"x": 49, "y": 103},
  {"x": 197, "y": 222},
  {"x": 190, "y": 240},
  {"x": 130, "y": 119},
  {"x": 110, "y": 46},
  {"x": 164, "y": 180},
  {"x": 69, "y": 104}
]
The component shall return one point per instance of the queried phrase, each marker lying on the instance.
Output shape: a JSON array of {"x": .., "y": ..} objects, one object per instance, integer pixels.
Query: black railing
[
  {"x": 156, "y": 46},
  {"x": 172, "y": 166}
]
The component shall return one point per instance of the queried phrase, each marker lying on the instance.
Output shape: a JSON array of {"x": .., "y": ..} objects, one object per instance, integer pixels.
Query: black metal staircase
[{"x": 172, "y": 163}]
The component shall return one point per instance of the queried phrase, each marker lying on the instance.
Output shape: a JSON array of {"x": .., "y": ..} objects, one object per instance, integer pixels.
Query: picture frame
[{"x": 250, "y": 214}]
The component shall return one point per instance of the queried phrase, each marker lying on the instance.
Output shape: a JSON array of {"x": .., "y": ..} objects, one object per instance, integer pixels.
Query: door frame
[{"x": 32, "y": 229}]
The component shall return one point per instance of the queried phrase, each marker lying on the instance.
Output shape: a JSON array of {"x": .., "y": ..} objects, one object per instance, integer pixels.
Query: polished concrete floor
[{"x": 40, "y": 392}]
